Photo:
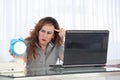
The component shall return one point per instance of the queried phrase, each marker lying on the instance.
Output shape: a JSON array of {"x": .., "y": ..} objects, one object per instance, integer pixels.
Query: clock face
[{"x": 19, "y": 47}]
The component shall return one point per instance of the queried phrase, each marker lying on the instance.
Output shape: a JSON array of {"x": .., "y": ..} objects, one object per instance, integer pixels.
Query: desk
[{"x": 109, "y": 73}]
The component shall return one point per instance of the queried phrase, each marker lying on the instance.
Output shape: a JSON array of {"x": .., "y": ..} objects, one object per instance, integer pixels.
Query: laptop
[{"x": 85, "y": 48}]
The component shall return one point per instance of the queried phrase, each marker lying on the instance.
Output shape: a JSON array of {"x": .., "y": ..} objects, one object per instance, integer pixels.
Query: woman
[{"x": 44, "y": 46}]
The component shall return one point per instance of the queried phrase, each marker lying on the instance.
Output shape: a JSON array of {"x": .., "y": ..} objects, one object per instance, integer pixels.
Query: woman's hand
[
  {"x": 23, "y": 57},
  {"x": 61, "y": 33}
]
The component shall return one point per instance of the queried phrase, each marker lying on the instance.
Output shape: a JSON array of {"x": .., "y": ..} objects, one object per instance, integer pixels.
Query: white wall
[{"x": 18, "y": 17}]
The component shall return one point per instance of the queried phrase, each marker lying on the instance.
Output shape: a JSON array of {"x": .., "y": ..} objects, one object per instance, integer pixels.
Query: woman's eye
[{"x": 49, "y": 32}]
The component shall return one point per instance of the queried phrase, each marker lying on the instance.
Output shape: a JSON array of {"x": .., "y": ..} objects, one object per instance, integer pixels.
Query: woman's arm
[
  {"x": 62, "y": 56},
  {"x": 62, "y": 36}
]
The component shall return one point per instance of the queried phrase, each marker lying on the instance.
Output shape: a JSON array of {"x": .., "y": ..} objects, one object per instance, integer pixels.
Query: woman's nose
[{"x": 45, "y": 35}]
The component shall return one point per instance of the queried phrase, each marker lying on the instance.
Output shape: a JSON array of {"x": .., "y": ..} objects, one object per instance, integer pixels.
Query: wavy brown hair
[{"x": 33, "y": 38}]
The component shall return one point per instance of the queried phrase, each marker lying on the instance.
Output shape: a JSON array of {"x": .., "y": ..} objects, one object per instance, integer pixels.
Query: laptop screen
[{"x": 85, "y": 47}]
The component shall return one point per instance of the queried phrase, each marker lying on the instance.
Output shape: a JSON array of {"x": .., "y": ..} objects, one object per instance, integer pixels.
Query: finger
[{"x": 57, "y": 30}]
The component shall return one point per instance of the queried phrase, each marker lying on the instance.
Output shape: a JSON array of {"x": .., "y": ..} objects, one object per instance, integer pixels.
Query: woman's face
[{"x": 46, "y": 34}]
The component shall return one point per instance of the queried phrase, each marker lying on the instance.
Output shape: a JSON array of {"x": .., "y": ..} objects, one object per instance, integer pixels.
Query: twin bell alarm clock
[{"x": 18, "y": 46}]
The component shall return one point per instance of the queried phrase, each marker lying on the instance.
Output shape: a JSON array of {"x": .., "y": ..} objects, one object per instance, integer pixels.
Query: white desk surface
[
  {"x": 78, "y": 76},
  {"x": 110, "y": 73},
  {"x": 114, "y": 74}
]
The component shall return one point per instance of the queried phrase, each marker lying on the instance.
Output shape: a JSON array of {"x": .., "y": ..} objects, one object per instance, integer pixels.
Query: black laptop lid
[{"x": 85, "y": 47}]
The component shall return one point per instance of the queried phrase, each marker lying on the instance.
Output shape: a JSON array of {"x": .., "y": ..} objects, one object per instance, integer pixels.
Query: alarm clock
[{"x": 18, "y": 46}]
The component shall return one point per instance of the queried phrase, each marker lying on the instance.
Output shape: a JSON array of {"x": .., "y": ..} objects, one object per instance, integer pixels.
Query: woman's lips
[{"x": 43, "y": 40}]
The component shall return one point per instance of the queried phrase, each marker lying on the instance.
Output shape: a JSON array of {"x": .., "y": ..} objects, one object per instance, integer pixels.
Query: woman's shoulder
[
  {"x": 51, "y": 44},
  {"x": 59, "y": 47}
]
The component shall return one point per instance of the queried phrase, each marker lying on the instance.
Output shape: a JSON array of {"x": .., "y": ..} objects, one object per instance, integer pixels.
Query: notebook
[{"x": 85, "y": 48}]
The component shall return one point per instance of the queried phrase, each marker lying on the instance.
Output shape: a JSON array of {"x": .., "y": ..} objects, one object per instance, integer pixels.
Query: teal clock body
[{"x": 18, "y": 46}]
